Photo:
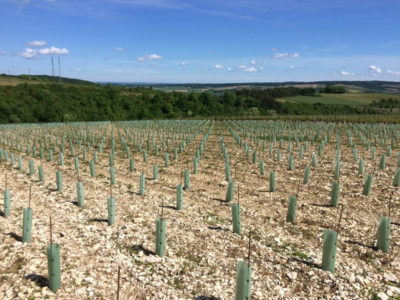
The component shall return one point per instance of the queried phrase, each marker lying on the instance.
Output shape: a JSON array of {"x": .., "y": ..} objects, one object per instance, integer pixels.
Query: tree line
[{"x": 57, "y": 102}]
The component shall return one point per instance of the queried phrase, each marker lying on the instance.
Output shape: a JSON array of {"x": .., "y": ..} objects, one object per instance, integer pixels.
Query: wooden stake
[
  {"x": 248, "y": 256},
  {"x": 340, "y": 218},
  {"x": 51, "y": 233},
  {"x": 390, "y": 204},
  {"x": 118, "y": 280},
  {"x": 30, "y": 196},
  {"x": 298, "y": 189},
  {"x": 162, "y": 209},
  {"x": 238, "y": 194}
]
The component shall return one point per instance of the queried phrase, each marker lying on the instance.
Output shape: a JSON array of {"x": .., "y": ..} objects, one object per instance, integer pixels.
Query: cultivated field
[
  {"x": 342, "y": 99},
  {"x": 201, "y": 249}
]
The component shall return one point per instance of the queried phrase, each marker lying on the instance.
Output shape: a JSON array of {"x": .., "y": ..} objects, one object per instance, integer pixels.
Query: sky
[{"x": 202, "y": 41}]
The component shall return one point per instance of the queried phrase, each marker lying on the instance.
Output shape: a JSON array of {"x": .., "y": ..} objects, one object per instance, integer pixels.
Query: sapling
[
  {"x": 7, "y": 199},
  {"x": 27, "y": 220},
  {"x": 307, "y": 172},
  {"x": 367, "y": 185},
  {"x": 384, "y": 231},
  {"x": 53, "y": 263},
  {"x": 243, "y": 277},
  {"x": 329, "y": 247}
]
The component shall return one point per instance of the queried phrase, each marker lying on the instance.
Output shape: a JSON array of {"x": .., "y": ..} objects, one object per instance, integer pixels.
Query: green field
[{"x": 342, "y": 99}]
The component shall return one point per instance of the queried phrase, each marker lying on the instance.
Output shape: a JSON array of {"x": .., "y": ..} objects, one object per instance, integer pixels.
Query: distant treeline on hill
[{"x": 53, "y": 102}]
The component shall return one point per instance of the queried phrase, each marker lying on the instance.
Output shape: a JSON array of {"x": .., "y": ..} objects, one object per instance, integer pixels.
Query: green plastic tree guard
[
  {"x": 59, "y": 180},
  {"x": 230, "y": 192},
  {"x": 361, "y": 166},
  {"x": 19, "y": 162},
  {"x": 367, "y": 185},
  {"x": 307, "y": 172},
  {"x": 111, "y": 210},
  {"x": 236, "y": 218},
  {"x": 54, "y": 266},
  {"x": 262, "y": 170},
  {"x": 396, "y": 178},
  {"x": 111, "y": 160},
  {"x": 291, "y": 209},
  {"x": 144, "y": 155},
  {"x": 7, "y": 203},
  {"x": 160, "y": 237},
  {"x": 79, "y": 192},
  {"x": 314, "y": 162},
  {"x": 195, "y": 165},
  {"x": 27, "y": 224},
  {"x": 92, "y": 169},
  {"x": 142, "y": 187},
  {"x": 186, "y": 179},
  {"x": 382, "y": 162},
  {"x": 131, "y": 164},
  {"x": 227, "y": 172},
  {"x": 31, "y": 167},
  {"x": 76, "y": 163},
  {"x": 254, "y": 156},
  {"x": 41, "y": 173},
  {"x": 61, "y": 158},
  {"x": 329, "y": 250},
  {"x": 166, "y": 160},
  {"x": 383, "y": 234},
  {"x": 272, "y": 186},
  {"x": 112, "y": 175},
  {"x": 337, "y": 169},
  {"x": 95, "y": 157},
  {"x": 290, "y": 167},
  {"x": 155, "y": 171},
  {"x": 373, "y": 152},
  {"x": 179, "y": 197},
  {"x": 243, "y": 281},
  {"x": 335, "y": 193}
]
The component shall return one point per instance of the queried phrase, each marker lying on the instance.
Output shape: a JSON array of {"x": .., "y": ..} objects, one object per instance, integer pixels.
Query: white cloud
[
  {"x": 253, "y": 62},
  {"x": 2, "y": 52},
  {"x": 119, "y": 49},
  {"x": 183, "y": 63},
  {"x": 218, "y": 66},
  {"x": 54, "y": 51},
  {"x": 229, "y": 69},
  {"x": 374, "y": 70},
  {"x": 261, "y": 68},
  {"x": 274, "y": 49},
  {"x": 346, "y": 73},
  {"x": 252, "y": 69},
  {"x": 149, "y": 57},
  {"x": 77, "y": 69},
  {"x": 286, "y": 55},
  {"x": 242, "y": 67},
  {"x": 292, "y": 67},
  {"x": 393, "y": 73},
  {"x": 37, "y": 43},
  {"x": 28, "y": 53}
]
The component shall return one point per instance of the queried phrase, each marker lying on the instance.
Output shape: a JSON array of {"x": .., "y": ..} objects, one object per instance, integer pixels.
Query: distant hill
[
  {"x": 374, "y": 86},
  {"x": 36, "y": 79}
]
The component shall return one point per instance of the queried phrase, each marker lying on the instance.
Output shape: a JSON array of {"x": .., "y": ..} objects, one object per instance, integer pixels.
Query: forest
[{"x": 64, "y": 102}]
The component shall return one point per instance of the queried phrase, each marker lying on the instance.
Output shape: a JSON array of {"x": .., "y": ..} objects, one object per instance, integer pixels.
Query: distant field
[{"x": 341, "y": 99}]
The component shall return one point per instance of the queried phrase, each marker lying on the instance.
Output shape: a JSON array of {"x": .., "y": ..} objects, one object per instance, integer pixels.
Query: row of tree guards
[{"x": 243, "y": 268}]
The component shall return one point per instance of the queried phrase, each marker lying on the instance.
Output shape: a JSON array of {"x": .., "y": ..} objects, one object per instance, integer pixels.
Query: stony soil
[{"x": 201, "y": 249}]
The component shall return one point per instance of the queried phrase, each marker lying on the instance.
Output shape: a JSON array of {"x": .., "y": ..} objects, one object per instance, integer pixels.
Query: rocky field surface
[{"x": 201, "y": 250}]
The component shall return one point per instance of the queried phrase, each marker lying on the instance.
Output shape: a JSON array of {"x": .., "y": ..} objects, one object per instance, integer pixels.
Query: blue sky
[{"x": 211, "y": 41}]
